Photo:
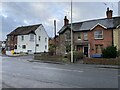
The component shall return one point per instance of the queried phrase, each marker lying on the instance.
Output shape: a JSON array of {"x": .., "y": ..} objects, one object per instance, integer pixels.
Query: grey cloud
[{"x": 25, "y": 13}]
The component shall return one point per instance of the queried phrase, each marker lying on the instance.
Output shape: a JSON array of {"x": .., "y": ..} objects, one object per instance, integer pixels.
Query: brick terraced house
[{"x": 89, "y": 37}]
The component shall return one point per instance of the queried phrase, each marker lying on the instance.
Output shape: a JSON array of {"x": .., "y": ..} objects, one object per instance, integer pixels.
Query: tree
[{"x": 51, "y": 49}]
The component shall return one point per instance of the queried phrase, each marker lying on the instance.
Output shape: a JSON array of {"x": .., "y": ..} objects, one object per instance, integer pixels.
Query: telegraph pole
[{"x": 71, "y": 36}]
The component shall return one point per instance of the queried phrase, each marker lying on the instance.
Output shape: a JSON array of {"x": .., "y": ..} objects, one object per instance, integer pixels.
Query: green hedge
[{"x": 109, "y": 52}]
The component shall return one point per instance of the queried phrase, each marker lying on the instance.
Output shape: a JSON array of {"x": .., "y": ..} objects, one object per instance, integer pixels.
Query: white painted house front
[{"x": 32, "y": 41}]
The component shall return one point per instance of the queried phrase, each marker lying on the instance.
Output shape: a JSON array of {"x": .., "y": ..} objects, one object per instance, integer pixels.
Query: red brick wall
[
  {"x": 11, "y": 42},
  {"x": 106, "y": 41}
]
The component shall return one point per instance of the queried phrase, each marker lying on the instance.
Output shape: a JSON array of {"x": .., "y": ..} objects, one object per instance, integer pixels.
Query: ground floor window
[
  {"x": 15, "y": 47},
  {"x": 23, "y": 46},
  {"x": 98, "y": 48},
  {"x": 68, "y": 48},
  {"x": 45, "y": 47},
  {"x": 79, "y": 48}
]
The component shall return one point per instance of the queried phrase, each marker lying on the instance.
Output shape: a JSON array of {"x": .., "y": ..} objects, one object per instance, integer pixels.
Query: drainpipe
[{"x": 35, "y": 42}]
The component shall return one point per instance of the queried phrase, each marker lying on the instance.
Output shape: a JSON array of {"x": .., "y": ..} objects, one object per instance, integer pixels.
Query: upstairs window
[
  {"x": 8, "y": 38},
  {"x": 22, "y": 38},
  {"x": 45, "y": 47},
  {"x": 31, "y": 37},
  {"x": 45, "y": 39},
  {"x": 12, "y": 38},
  {"x": 85, "y": 36},
  {"x": 79, "y": 36},
  {"x": 39, "y": 38},
  {"x": 67, "y": 36},
  {"x": 98, "y": 34}
]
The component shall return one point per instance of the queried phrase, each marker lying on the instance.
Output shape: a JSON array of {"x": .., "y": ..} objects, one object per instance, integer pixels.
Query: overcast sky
[{"x": 15, "y": 14}]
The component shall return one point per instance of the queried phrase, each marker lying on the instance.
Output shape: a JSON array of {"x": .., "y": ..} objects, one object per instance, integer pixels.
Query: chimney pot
[
  {"x": 109, "y": 13},
  {"x": 66, "y": 21}
]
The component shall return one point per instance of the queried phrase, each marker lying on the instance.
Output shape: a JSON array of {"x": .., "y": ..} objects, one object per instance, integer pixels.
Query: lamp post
[{"x": 71, "y": 36}]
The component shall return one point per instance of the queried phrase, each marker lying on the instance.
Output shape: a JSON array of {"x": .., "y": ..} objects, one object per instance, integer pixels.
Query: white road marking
[{"x": 59, "y": 69}]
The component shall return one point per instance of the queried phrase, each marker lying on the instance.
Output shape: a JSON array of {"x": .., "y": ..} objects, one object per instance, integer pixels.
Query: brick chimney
[
  {"x": 66, "y": 21},
  {"x": 109, "y": 13}
]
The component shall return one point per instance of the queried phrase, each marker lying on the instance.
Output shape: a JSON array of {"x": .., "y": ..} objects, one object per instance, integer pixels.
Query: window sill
[
  {"x": 67, "y": 40},
  {"x": 98, "y": 38},
  {"x": 31, "y": 40},
  {"x": 79, "y": 39},
  {"x": 86, "y": 40}
]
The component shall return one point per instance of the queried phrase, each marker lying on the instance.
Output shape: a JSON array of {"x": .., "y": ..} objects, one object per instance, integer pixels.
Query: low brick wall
[
  {"x": 102, "y": 61},
  {"x": 48, "y": 57}
]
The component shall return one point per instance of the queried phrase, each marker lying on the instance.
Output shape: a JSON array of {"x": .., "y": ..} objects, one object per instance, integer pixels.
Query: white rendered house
[{"x": 30, "y": 39}]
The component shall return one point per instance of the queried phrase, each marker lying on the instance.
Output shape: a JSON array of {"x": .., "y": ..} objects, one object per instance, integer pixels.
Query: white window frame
[
  {"x": 96, "y": 35},
  {"x": 39, "y": 38},
  {"x": 45, "y": 39},
  {"x": 8, "y": 38},
  {"x": 23, "y": 46},
  {"x": 79, "y": 35},
  {"x": 22, "y": 38},
  {"x": 32, "y": 37},
  {"x": 45, "y": 47},
  {"x": 67, "y": 37},
  {"x": 85, "y": 36}
]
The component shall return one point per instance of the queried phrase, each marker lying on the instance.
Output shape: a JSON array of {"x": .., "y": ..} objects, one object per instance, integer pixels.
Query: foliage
[
  {"x": 51, "y": 49},
  {"x": 77, "y": 55},
  {"x": 109, "y": 52}
]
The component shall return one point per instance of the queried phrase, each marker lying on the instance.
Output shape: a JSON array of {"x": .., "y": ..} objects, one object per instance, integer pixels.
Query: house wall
[
  {"x": 106, "y": 41},
  {"x": 11, "y": 42},
  {"x": 31, "y": 45},
  {"x": 91, "y": 42},
  {"x": 61, "y": 49},
  {"x": 42, "y": 43},
  {"x": 116, "y": 38}
]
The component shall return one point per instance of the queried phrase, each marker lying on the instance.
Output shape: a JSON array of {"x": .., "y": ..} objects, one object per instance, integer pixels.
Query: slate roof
[
  {"x": 24, "y": 30},
  {"x": 87, "y": 25}
]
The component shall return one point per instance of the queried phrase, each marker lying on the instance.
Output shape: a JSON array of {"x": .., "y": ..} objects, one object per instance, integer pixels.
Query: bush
[
  {"x": 109, "y": 52},
  {"x": 77, "y": 55}
]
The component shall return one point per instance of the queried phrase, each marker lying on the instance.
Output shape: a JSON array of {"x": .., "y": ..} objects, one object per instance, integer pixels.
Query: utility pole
[
  {"x": 71, "y": 36},
  {"x": 55, "y": 35}
]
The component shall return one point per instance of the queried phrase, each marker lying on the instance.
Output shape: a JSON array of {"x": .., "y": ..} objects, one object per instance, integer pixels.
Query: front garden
[{"x": 110, "y": 56}]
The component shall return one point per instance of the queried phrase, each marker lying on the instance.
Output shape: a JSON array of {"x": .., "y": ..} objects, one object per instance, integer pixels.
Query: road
[{"x": 17, "y": 72}]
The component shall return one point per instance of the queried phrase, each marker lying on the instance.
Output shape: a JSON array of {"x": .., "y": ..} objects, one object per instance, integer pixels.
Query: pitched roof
[
  {"x": 23, "y": 30},
  {"x": 87, "y": 25}
]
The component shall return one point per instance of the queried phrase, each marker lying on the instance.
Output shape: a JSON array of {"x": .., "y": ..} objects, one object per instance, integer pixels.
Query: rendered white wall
[{"x": 31, "y": 45}]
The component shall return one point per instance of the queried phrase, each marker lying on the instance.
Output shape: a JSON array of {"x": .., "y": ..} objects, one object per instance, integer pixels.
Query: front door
[{"x": 86, "y": 51}]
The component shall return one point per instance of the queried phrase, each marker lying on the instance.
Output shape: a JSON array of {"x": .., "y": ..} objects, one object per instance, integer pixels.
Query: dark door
[{"x": 86, "y": 51}]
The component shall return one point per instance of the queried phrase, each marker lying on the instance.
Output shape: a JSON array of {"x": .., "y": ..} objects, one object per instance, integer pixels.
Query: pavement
[{"x": 56, "y": 62}]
